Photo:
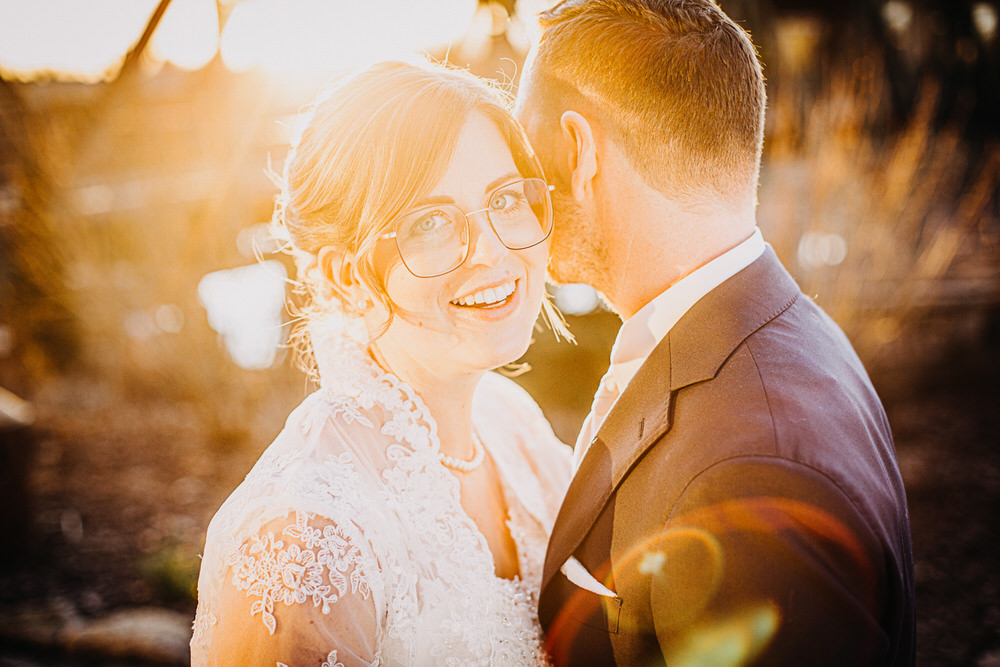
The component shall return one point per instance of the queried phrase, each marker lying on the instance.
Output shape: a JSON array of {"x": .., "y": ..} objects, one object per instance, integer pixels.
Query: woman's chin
[
  {"x": 507, "y": 356},
  {"x": 494, "y": 351}
]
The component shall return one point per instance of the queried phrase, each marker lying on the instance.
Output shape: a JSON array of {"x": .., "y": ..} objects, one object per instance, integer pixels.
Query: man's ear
[{"x": 578, "y": 136}]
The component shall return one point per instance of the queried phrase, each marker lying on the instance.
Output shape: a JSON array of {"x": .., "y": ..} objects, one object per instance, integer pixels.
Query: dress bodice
[{"x": 347, "y": 542}]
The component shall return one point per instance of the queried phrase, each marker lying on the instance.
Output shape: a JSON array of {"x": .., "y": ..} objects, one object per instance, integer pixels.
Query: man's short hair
[{"x": 676, "y": 82}]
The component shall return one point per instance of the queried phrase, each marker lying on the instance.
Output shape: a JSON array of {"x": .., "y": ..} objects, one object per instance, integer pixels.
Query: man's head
[{"x": 674, "y": 87}]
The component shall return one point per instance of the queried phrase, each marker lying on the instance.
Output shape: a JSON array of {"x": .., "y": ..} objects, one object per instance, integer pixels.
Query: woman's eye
[
  {"x": 503, "y": 201},
  {"x": 431, "y": 222}
]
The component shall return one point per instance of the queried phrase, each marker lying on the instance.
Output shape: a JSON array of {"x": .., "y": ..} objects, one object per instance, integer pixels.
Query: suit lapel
[
  {"x": 692, "y": 352},
  {"x": 629, "y": 430}
]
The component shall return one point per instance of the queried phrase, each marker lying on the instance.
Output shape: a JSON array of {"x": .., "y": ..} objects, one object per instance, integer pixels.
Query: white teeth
[{"x": 490, "y": 295}]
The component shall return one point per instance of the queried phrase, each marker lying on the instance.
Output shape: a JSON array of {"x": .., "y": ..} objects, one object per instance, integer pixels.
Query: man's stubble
[{"x": 577, "y": 251}]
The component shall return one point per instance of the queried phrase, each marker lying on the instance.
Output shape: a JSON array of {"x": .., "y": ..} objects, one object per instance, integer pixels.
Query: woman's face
[{"x": 481, "y": 315}]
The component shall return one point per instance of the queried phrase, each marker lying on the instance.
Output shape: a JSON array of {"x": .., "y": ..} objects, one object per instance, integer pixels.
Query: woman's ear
[
  {"x": 578, "y": 136},
  {"x": 340, "y": 270},
  {"x": 336, "y": 270}
]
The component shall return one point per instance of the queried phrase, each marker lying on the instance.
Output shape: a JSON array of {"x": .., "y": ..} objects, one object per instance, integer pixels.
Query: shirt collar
[{"x": 643, "y": 331}]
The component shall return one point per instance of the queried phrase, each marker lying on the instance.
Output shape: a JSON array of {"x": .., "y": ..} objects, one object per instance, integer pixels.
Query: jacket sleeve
[{"x": 766, "y": 561}]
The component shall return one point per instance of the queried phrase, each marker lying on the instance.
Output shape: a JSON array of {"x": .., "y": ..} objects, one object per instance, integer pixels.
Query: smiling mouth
[{"x": 491, "y": 297}]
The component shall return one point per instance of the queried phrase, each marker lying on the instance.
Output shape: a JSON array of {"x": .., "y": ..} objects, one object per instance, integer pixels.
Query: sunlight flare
[
  {"x": 65, "y": 39},
  {"x": 316, "y": 36}
]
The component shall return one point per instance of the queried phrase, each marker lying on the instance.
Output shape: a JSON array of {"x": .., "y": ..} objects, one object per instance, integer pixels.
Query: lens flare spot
[
  {"x": 730, "y": 641},
  {"x": 652, "y": 562}
]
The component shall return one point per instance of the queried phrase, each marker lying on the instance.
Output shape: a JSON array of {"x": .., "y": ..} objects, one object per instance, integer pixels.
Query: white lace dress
[{"x": 346, "y": 543}]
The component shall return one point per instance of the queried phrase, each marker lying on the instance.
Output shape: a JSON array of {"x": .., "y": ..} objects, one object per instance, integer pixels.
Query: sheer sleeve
[
  {"x": 511, "y": 410},
  {"x": 295, "y": 592}
]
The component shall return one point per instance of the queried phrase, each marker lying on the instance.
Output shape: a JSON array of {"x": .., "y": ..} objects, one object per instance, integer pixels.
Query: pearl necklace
[{"x": 461, "y": 465}]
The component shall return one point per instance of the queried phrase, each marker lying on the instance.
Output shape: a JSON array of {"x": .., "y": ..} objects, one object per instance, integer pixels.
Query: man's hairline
[{"x": 565, "y": 96}]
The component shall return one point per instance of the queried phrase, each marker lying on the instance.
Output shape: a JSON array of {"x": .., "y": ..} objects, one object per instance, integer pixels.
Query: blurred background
[{"x": 143, "y": 355}]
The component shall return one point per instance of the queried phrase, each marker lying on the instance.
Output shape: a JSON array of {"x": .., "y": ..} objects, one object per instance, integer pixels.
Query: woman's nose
[{"x": 487, "y": 249}]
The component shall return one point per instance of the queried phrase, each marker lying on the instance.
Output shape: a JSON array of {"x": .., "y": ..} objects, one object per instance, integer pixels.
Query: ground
[{"x": 123, "y": 490}]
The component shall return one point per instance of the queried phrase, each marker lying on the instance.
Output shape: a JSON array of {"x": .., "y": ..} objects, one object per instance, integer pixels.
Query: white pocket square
[{"x": 578, "y": 574}]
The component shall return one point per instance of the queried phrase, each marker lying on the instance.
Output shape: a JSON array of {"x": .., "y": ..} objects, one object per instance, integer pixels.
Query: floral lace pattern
[
  {"x": 203, "y": 621},
  {"x": 331, "y": 660},
  {"x": 351, "y": 500},
  {"x": 321, "y": 571}
]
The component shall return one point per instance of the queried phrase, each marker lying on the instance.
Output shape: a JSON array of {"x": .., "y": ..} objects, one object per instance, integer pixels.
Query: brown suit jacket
[{"x": 742, "y": 500}]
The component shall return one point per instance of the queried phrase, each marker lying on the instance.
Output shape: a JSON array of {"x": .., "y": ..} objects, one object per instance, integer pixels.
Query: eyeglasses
[{"x": 433, "y": 240}]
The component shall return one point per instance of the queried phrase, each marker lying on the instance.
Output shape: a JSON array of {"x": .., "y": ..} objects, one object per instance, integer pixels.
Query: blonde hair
[
  {"x": 373, "y": 142},
  {"x": 677, "y": 83}
]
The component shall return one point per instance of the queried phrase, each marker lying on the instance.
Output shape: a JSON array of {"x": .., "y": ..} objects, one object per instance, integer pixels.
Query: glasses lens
[
  {"x": 521, "y": 213},
  {"x": 432, "y": 239}
]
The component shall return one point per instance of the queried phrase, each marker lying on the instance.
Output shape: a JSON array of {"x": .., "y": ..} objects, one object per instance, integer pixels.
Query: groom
[{"x": 736, "y": 499}]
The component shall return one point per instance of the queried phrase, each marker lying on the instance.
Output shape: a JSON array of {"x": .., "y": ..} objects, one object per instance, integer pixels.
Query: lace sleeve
[{"x": 296, "y": 592}]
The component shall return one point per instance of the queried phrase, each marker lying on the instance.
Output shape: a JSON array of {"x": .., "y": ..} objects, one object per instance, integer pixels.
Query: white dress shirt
[{"x": 642, "y": 332}]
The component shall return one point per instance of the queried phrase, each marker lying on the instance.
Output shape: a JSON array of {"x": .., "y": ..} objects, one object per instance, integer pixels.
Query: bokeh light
[
  {"x": 984, "y": 17},
  {"x": 117, "y": 196},
  {"x": 244, "y": 306},
  {"x": 819, "y": 249},
  {"x": 577, "y": 299},
  {"x": 65, "y": 39},
  {"x": 313, "y": 37},
  {"x": 729, "y": 642},
  {"x": 188, "y": 34},
  {"x": 897, "y": 15}
]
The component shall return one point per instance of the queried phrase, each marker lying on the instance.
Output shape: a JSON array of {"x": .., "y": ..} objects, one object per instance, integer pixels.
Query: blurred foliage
[
  {"x": 172, "y": 572},
  {"x": 117, "y": 198},
  {"x": 36, "y": 313},
  {"x": 878, "y": 192},
  {"x": 881, "y": 229},
  {"x": 117, "y": 213}
]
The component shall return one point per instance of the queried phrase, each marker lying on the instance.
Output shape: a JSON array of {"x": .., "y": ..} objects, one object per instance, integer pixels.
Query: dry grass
[
  {"x": 915, "y": 208},
  {"x": 880, "y": 227}
]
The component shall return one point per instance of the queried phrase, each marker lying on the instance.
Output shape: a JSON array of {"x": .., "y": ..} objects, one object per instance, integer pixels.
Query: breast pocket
[{"x": 589, "y": 601}]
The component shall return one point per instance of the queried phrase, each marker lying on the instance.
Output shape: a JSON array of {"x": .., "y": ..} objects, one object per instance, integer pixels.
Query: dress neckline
[{"x": 346, "y": 367}]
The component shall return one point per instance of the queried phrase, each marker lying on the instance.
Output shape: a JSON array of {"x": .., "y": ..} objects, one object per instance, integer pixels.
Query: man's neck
[{"x": 657, "y": 243}]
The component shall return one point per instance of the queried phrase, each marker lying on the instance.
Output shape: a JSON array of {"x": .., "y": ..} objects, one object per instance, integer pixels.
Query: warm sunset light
[
  {"x": 86, "y": 41},
  {"x": 316, "y": 36},
  {"x": 83, "y": 41},
  {"x": 279, "y": 251},
  {"x": 188, "y": 34}
]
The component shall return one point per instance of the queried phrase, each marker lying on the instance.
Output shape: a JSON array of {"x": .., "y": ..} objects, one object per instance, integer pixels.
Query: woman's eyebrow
[
  {"x": 430, "y": 200},
  {"x": 497, "y": 182}
]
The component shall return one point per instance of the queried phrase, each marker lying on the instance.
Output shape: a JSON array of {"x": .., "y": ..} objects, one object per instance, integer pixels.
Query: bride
[{"x": 401, "y": 515}]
